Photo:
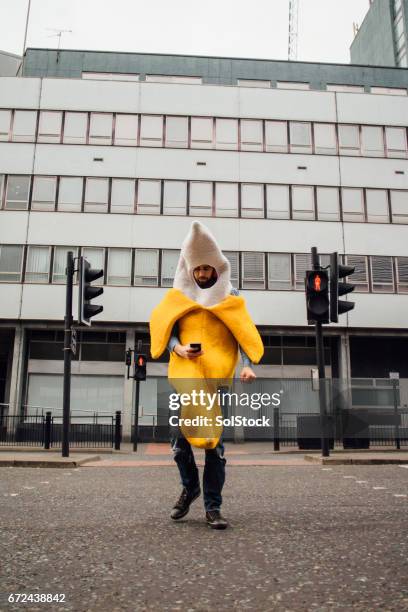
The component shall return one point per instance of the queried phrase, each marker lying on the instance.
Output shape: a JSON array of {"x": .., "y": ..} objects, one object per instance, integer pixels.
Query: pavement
[
  {"x": 301, "y": 538},
  {"x": 159, "y": 455}
]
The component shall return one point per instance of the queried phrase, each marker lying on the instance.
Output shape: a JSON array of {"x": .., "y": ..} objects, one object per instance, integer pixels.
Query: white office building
[{"x": 113, "y": 155}]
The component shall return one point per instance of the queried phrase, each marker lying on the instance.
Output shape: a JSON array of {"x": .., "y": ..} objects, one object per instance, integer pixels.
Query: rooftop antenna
[
  {"x": 58, "y": 33},
  {"x": 293, "y": 30}
]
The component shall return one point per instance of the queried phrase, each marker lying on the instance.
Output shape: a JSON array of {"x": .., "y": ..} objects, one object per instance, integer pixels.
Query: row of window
[
  {"x": 203, "y": 198},
  {"x": 156, "y": 268},
  {"x": 263, "y": 83},
  {"x": 202, "y": 133}
]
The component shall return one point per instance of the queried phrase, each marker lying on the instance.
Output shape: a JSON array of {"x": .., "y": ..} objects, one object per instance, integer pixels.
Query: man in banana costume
[{"x": 203, "y": 307}]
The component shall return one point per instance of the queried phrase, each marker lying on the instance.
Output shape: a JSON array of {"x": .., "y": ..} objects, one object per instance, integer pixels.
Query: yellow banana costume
[{"x": 213, "y": 317}]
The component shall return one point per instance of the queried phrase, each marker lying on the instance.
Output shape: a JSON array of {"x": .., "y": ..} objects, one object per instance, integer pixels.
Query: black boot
[
  {"x": 215, "y": 520},
  {"x": 182, "y": 505}
]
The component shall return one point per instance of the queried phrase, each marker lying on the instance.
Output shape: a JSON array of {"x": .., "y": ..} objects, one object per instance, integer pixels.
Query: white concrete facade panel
[
  {"x": 16, "y": 158},
  {"x": 372, "y": 172},
  {"x": 372, "y": 109},
  {"x": 77, "y": 160},
  {"x": 379, "y": 311},
  {"x": 75, "y": 94},
  {"x": 363, "y": 238},
  {"x": 19, "y": 93},
  {"x": 10, "y": 298},
  {"x": 287, "y": 104},
  {"x": 13, "y": 227}
]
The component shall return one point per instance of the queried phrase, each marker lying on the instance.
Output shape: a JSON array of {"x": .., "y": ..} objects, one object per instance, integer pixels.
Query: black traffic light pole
[
  {"x": 67, "y": 355},
  {"x": 320, "y": 365}
]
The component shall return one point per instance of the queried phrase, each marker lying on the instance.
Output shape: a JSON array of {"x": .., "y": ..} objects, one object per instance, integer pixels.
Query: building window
[
  {"x": 110, "y": 76},
  {"x": 279, "y": 271},
  {"x": 401, "y": 264},
  {"x": 360, "y": 275},
  {"x": 292, "y": 85},
  {"x": 18, "y": 189},
  {"x": 303, "y": 202},
  {"x": 300, "y": 137},
  {"x": 389, "y": 91},
  {"x": 277, "y": 202},
  {"x": 169, "y": 78},
  {"x": 328, "y": 208},
  {"x": 399, "y": 206},
  {"x": 70, "y": 193},
  {"x": 226, "y": 131},
  {"x": 169, "y": 264},
  {"x": 325, "y": 138},
  {"x": 75, "y": 128},
  {"x": 254, "y": 83},
  {"x": 43, "y": 197},
  {"x": 175, "y": 198},
  {"x": 123, "y": 196},
  {"x": 146, "y": 267},
  {"x": 11, "y": 259},
  {"x": 5, "y": 120},
  {"x": 303, "y": 262},
  {"x": 252, "y": 200},
  {"x": 60, "y": 263},
  {"x": 38, "y": 264},
  {"x": 177, "y": 132},
  {"x": 226, "y": 199},
  {"x": 353, "y": 204},
  {"x": 251, "y": 135},
  {"x": 119, "y": 267},
  {"x": 377, "y": 206},
  {"x": 382, "y": 276},
  {"x": 148, "y": 197},
  {"x": 201, "y": 197},
  {"x": 396, "y": 141},
  {"x": 372, "y": 141},
  {"x": 151, "y": 131},
  {"x": 276, "y": 136},
  {"x": 253, "y": 270},
  {"x": 233, "y": 258},
  {"x": 349, "y": 139},
  {"x": 201, "y": 132},
  {"x": 96, "y": 257},
  {"x": 346, "y": 88},
  {"x": 96, "y": 195},
  {"x": 49, "y": 127},
  {"x": 100, "y": 128},
  {"x": 126, "y": 130},
  {"x": 24, "y": 126}
]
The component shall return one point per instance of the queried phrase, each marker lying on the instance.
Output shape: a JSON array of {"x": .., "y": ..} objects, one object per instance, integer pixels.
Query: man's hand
[
  {"x": 247, "y": 374},
  {"x": 185, "y": 351}
]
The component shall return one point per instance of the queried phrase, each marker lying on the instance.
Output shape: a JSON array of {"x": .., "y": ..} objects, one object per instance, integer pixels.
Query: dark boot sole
[
  {"x": 215, "y": 526},
  {"x": 180, "y": 516}
]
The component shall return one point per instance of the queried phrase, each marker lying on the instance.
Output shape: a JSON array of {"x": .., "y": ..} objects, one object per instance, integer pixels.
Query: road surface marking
[
  {"x": 361, "y": 481},
  {"x": 399, "y": 495},
  {"x": 379, "y": 488},
  {"x": 349, "y": 476}
]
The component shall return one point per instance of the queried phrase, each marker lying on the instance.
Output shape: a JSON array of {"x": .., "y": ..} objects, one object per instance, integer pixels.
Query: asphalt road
[{"x": 301, "y": 538}]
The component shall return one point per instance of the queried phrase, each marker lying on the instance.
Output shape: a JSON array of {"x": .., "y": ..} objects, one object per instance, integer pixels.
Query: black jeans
[{"x": 214, "y": 471}]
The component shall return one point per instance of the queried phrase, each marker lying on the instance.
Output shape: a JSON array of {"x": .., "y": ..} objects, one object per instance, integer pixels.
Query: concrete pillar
[
  {"x": 128, "y": 392},
  {"x": 17, "y": 371},
  {"x": 345, "y": 370}
]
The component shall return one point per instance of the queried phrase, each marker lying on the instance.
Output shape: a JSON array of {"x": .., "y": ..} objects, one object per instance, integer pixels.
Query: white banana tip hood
[{"x": 199, "y": 248}]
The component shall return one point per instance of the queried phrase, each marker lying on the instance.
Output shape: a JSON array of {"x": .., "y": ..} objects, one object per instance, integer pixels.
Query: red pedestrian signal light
[
  {"x": 317, "y": 296},
  {"x": 140, "y": 366}
]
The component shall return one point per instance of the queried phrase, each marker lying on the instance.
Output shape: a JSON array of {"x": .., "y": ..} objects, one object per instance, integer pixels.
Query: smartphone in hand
[{"x": 196, "y": 346}]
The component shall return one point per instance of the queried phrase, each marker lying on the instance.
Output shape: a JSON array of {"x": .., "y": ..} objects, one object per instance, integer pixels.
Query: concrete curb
[
  {"x": 49, "y": 462},
  {"x": 361, "y": 460}
]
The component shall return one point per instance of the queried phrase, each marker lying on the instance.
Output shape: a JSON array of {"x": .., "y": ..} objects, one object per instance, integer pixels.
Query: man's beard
[{"x": 207, "y": 283}]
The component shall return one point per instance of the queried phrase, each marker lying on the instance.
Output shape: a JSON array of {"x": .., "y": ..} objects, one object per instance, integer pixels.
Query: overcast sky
[{"x": 237, "y": 28}]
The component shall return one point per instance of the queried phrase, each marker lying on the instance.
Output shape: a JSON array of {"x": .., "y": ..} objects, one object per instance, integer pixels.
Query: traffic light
[
  {"x": 317, "y": 296},
  {"x": 337, "y": 272},
  {"x": 128, "y": 358},
  {"x": 87, "y": 275},
  {"x": 140, "y": 366}
]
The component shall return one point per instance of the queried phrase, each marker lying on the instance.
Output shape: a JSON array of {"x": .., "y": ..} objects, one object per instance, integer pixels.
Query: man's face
[{"x": 203, "y": 274}]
